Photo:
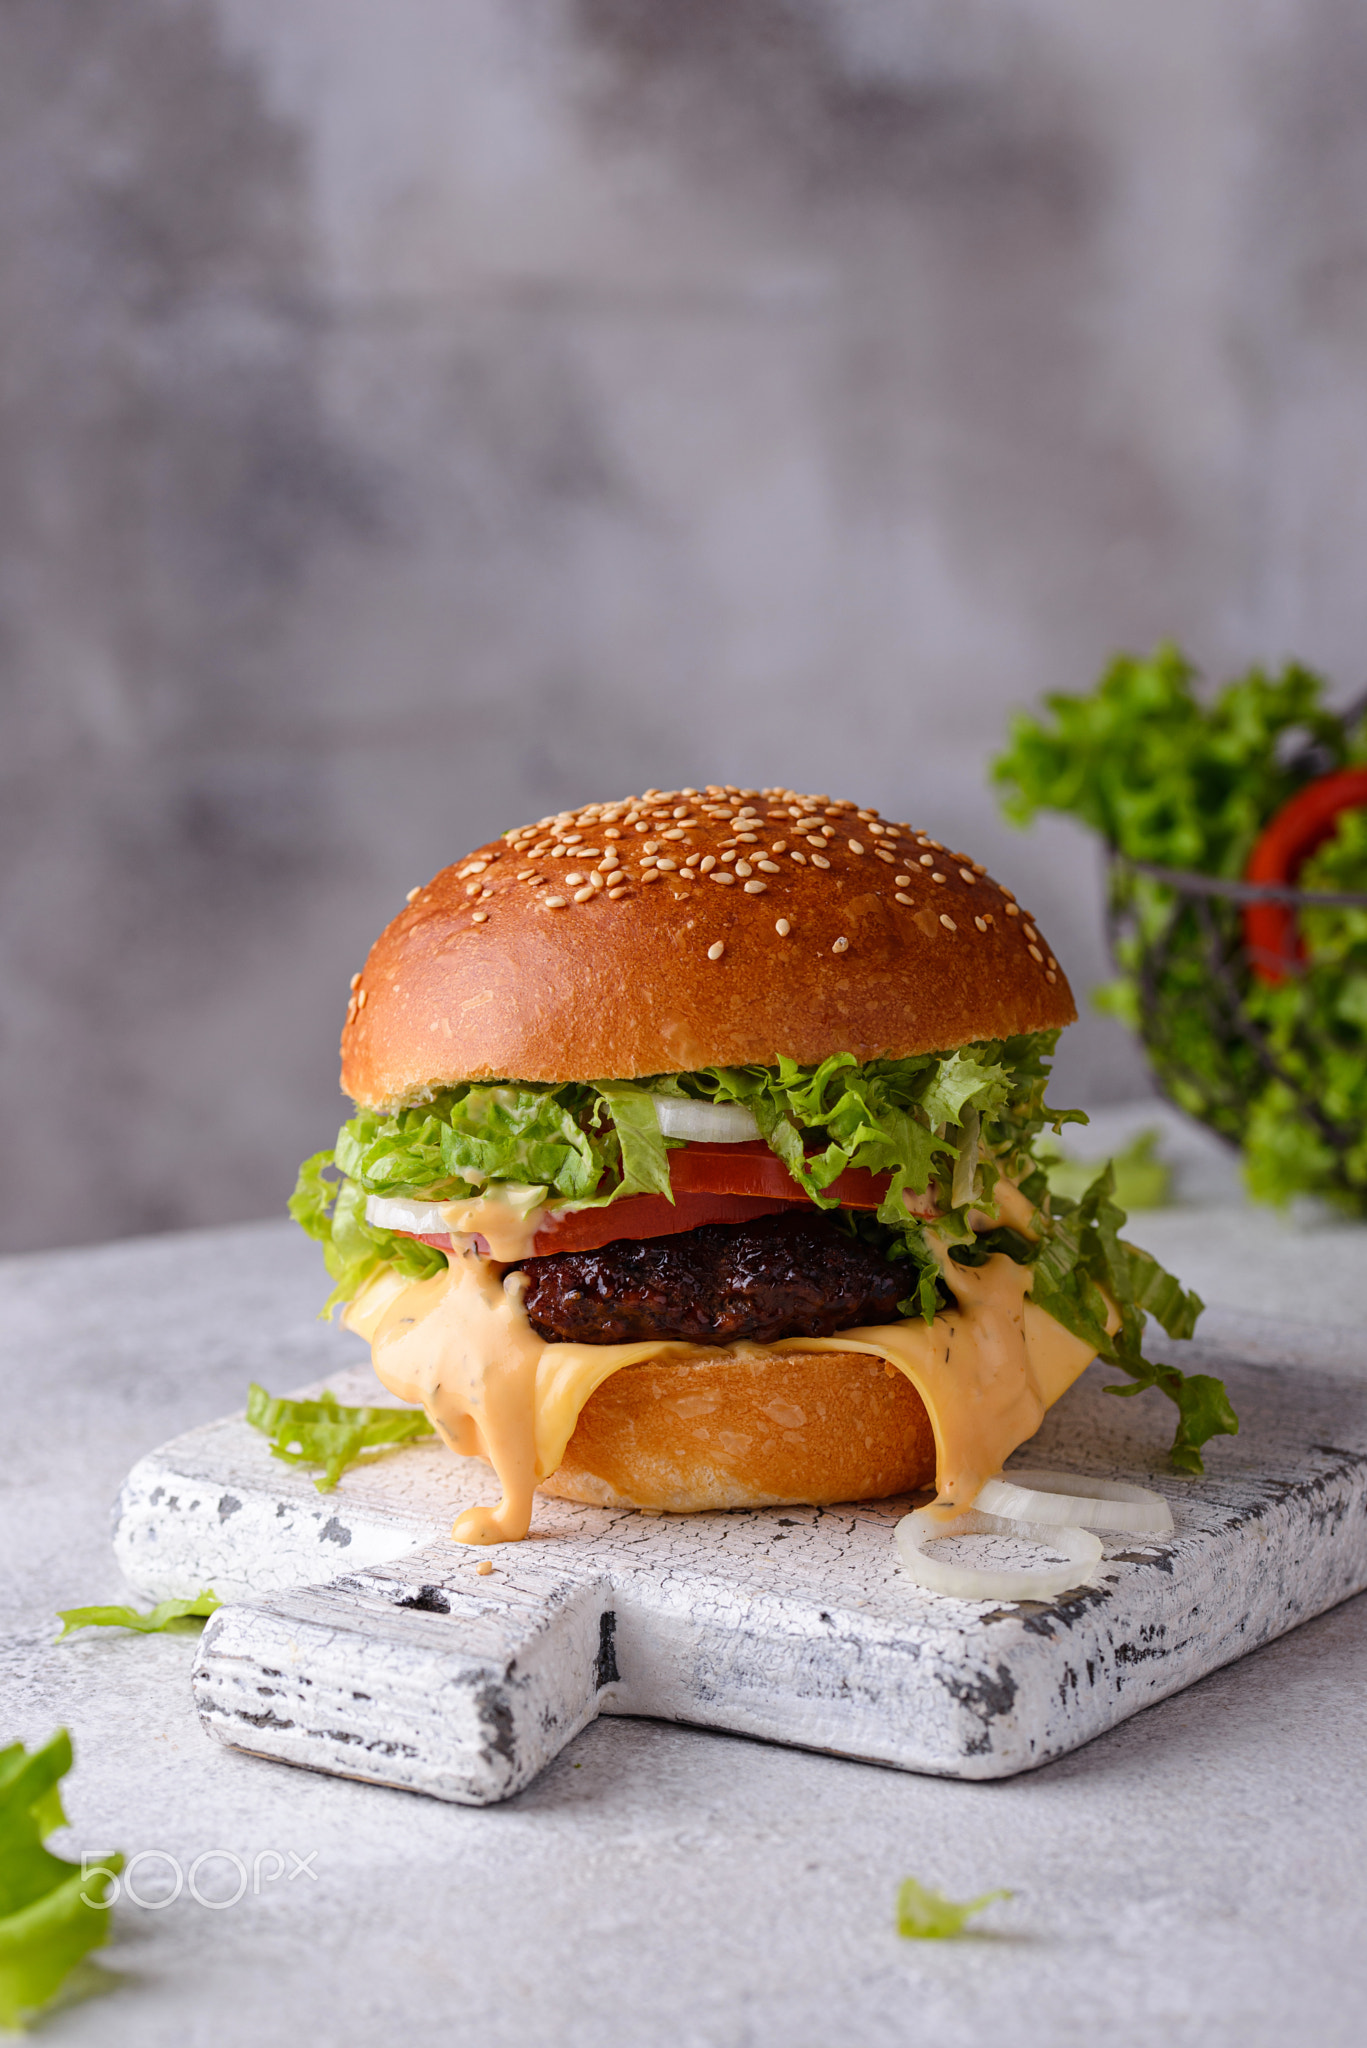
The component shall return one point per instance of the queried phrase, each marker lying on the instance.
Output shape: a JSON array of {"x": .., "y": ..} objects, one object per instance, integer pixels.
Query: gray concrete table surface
[{"x": 1198, "y": 1875}]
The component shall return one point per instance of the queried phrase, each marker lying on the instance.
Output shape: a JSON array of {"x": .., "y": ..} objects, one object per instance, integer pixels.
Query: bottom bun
[{"x": 748, "y": 1429}]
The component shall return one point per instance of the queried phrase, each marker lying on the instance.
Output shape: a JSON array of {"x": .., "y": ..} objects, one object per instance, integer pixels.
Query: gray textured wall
[{"x": 421, "y": 414}]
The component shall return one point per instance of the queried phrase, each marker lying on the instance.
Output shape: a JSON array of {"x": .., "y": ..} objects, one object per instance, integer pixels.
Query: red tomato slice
[
  {"x": 752, "y": 1169},
  {"x": 1271, "y": 939},
  {"x": 712, "y": 1184},
  {"x": 640, "y": 1216}
]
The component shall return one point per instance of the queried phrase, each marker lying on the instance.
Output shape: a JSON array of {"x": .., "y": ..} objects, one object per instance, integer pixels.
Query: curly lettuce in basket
[
  {"x": 948, "y": 1122},
  {"x": 1170, "y": 776}
]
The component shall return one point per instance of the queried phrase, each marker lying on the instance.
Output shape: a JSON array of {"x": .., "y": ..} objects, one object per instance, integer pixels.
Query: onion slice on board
[
  {"x": 1065, "y": 1500},
  {"x": 705, "y": 1123},
  {"x": 966, "y": 1582}
]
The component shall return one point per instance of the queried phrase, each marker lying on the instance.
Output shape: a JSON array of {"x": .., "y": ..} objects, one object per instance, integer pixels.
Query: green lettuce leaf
[
  {"x": 1084, "y": 1253},
  {"x": 327, "y": 1433},
  {"x": 924, "y": 1915},
  {"x": 160, "y": 1617},
  {"x": 51, "y": 1915}
]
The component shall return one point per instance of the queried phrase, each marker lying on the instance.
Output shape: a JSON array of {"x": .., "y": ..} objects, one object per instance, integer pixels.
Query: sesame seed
[
  {"x": 525, "y": 874},
  {"x": 927, "y": 860},
  {"x": 583, "y": 895},
  {"x": 768, "y": 867},
  {"x": 936, "y": 876},
  {"x": 355, "y": 981},
  {"x": 676, "y": 833},
  {"x": 779, "y": 846},
  {"x": 841, "y": 946},
  {"x": 613, "y": 894},
  {"x": 480, "y": 917},
  {"x": 910, "y": 901},
  {"x": 981, "y": 923},
  {"x": 819, "y": 860},
  {"x": 1030, "y": 932},
  {"x": 902, "y": 881},
  {"x": 361, "y": 999},
  {"x": 597, "y": 878},
  {"x": 721, "y": 875},
  {"x": 651, "y": 846},
  {"x": 412, "y": 893},
  {"x": 573, "y": 838},
  {"x": 687, "y": 875},
  {"x": 715, "y": 951},
  {"x": 613, "y": 834},
  {"x": 748, "y": 837},
  {"x": 1052, "y": 961},
  {"x": 948, "y": 923},
  {"x": 472, "y": 888},
  {"x": 1049, "y": 974},
  {"x": 755, "y": 888},
  {"x": 743, "y": 867},
  {"x": 617, "y": 875},
  {"x": 855, "y": 846},
  {"x": 800, "y": 858},
  {"x": 883, "y": 854},
  {"x": 483, "y": 1568},
  {"x": 666, "y": 866},
  {"x": 707, "y": 863},
  {"x": 967, "y": 875},
  {"x": 782, "y": 927},
  {"x": 1013, "y": 910},
  {"x": 554, "y": 902},
  {"x": 651, "y": 875},
  {"x": 1035, "y": 954},
  {"x": 573, "y": 881}
]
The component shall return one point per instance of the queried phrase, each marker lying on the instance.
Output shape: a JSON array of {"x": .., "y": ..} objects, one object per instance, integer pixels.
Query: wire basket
[{"x": 1178, "y": 939}]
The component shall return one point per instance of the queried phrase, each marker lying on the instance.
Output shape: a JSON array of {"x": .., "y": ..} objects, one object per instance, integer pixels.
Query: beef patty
[{"x": 794, "y": 1275}]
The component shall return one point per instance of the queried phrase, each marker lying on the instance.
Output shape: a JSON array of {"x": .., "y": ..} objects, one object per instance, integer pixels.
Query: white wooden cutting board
[{"x": 358, "y": 1639}]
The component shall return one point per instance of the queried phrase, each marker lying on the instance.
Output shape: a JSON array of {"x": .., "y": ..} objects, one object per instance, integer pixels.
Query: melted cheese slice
[{"x": 460, "y": 1344}]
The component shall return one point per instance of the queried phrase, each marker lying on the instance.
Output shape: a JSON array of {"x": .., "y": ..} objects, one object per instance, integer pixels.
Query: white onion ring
[
  {"x": 387, "y": 1212},
  {"x": 705, "y": 1123},
  {"x": 1065, "y": 1500},
  {"x": 963, "y": 1582}
]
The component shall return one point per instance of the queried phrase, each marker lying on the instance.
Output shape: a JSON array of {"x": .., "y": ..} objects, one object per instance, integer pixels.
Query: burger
[{"x": 693, "y": 1166}]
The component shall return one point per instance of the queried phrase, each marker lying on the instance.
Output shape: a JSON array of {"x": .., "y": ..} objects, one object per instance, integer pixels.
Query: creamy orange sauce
[
  {"x": 507, "y": 1218},
  {"x": 460, "y": 1344}
]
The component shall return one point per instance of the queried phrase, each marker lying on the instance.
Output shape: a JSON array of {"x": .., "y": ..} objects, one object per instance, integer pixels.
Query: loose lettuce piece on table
[
  {"x": 325, "y": 1432},
  {"x": 925, "y": 1915},
  {"x": 51, "y": 1914},
  {"x": 160, "y": 1617}
]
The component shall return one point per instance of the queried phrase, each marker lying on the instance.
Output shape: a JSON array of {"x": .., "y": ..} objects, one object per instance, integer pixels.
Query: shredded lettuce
[
  {"x": 162, "y": 1616},
  {"x": 944, "y": 1123},
  {"x": 327, "y": 1433},
  {"x": 51, "y": 1914},
  {"x": 924, "y": 1915}
]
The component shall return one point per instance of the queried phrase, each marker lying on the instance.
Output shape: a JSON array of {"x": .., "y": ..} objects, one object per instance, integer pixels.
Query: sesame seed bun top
[{"x": 692, "y": 928}]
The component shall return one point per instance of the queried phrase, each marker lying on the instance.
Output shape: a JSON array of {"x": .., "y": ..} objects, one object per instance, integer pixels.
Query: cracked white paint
[{"x": 358, "y": 1639}]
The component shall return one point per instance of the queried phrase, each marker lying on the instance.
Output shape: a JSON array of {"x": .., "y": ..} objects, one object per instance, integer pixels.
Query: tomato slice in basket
[{"x": 1271, "y": 939}]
